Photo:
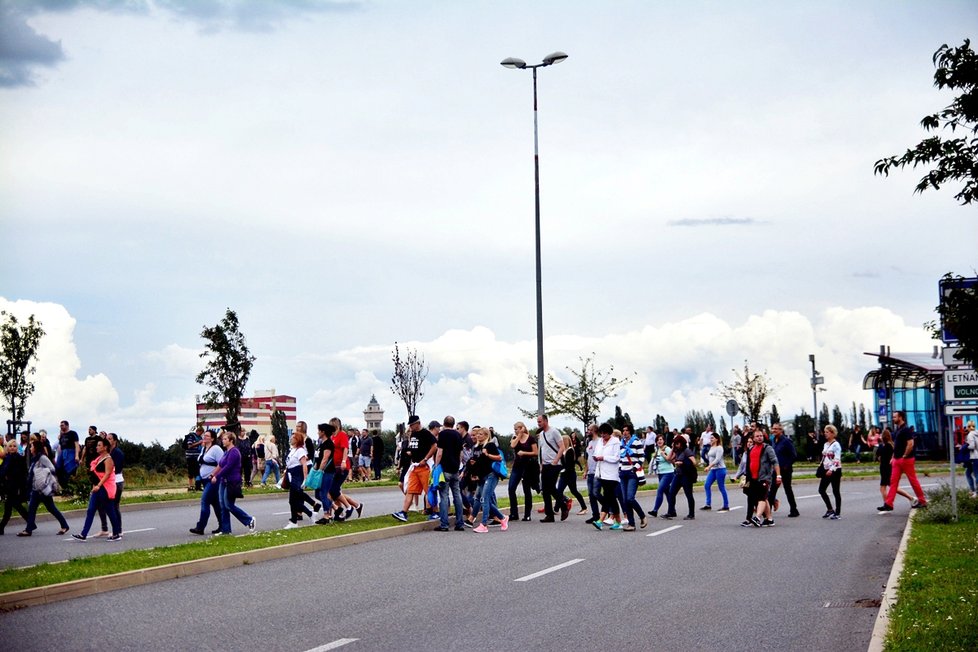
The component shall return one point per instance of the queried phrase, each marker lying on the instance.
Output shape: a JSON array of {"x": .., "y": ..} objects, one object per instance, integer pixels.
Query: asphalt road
[{"x": 703, "y": 585}]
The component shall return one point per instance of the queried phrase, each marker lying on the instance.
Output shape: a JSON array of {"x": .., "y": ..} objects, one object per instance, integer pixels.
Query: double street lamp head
[{"x": 548, "y": 60}]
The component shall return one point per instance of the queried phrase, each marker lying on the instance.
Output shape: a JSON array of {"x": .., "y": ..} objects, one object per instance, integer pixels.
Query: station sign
[
  {"x": 956, "y": 410},
  {"x": 961, "y": 385},
  {"x": 948, "y": 354}
]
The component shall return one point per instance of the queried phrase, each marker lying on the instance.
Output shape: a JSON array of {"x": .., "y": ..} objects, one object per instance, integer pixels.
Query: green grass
[
  {"x": 97, "y": 566},
  {"x": 937, "y": 601}
]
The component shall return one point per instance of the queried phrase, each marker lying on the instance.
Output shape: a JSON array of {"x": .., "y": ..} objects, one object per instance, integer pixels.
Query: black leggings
[
  {"x": 520, "y": 477},
  {"x": 609, "y": 496},
  {"x": 10, "y": 504},
  {"x": 568, "y": 480},
  {"x": 835, "y": 480},
  {"x": 682, "y": 481}
]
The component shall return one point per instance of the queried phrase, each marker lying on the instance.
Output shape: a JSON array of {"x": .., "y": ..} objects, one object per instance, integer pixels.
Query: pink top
[{"x": 109, "y": 482}]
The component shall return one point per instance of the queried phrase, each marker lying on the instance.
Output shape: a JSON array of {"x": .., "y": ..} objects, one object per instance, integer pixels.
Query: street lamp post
[
  {"x": 519, "y": 64},
  {"x": 816, "y": 381}
]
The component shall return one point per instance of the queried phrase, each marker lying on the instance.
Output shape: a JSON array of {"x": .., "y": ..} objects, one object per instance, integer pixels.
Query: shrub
[{"x": 939, "y": 505}]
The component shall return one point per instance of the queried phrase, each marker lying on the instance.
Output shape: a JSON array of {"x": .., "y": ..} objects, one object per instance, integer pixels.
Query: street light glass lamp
[
  {"x": 556, "y": 57},
  {"x": 512, "y": 62}
]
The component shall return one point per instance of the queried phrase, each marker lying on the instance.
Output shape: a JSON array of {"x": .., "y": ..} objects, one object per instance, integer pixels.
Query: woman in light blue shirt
[{"x": 666, "y": 472}]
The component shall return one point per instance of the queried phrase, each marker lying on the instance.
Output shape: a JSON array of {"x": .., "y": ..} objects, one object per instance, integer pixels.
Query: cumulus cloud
[
  {"x": 22, "y": 49},
  {"x": 674, "y": 367}
]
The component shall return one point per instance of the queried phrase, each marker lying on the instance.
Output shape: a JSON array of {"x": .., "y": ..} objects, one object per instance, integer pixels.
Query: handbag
[
  {"x": 820, "y": 471},
  {"x": 499, "y": 467},
  {"x": 314, "y": 479},
  {"x": 962, "y": 454}
]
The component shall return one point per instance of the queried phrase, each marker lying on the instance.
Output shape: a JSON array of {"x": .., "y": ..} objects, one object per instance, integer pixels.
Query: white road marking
[
  {"x": 668, "y": 529},
  {"x": 732, "y": 509},
  {"x": 145, "y": 529},
  {"x": 280, "y": 513},
  {"x": 340, "y": 642},
  {"x": 804, "y": 497},
  {"x": 533, "y": 576}
]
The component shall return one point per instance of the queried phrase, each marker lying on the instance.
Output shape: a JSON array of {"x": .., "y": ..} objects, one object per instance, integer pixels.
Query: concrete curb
[
  {"x": 91, "y": 586},
  {"x": 890, "y": 592}
]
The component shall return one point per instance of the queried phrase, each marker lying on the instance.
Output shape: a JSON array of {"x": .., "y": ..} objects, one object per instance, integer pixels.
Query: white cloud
[{"x": 674, "y": 366}]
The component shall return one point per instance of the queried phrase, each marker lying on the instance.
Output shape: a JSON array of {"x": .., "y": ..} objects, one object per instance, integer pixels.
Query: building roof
[{"x": 904, "y": 371}]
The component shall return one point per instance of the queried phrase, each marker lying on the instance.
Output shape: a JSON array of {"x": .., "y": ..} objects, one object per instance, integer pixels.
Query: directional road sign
[{"x": 961, "y": 385}]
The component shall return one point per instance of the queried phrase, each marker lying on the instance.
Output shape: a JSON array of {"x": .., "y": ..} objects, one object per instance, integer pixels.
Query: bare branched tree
[
  {"x": 580, "y": 398},
  {"x": 750, "y": 390},
  {"x": 410, "y": 372}
]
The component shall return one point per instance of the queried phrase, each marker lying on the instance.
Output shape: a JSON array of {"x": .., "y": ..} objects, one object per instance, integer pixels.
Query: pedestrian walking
[
  {"x": 13, "y": 478},
  {"x": 903, "y": 463},
  {"x": 228, "y": 476},
  {"x": 666, "y": 473},
  {"x": 296, "y": 472},
  {"x": 271, "y": 460},
  {"x": 525, "y": 472},
  {"x": 568, "y": 477},
  {"x": 488, "y": 479},
  {"x": 784, "y": 448},
  {"x": 830, "y": 471},
  {"x": 884, "y": 455},
  {"x": 42, "y": 480},
  {"x": 684, "y": 461},
  {"x": 210, "y": 456},
  {"x": 629, "y": 473},
  {"x": 103, "y": 491},
  {"x": 716, "y": 471},
  {"x": 551, "y": 453},
  {"x": 607, "y": 453}
]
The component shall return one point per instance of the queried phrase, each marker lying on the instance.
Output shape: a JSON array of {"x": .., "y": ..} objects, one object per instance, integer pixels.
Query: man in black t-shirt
[
  {"x": 191, "y": 449},
  {"x": 421, "y": 448},
  {"x": 449, "y": 456},
  {"x": 89, "y": 453},
  {"x": 324, "y": 462},
  {"x": 69, "y": 454},
  {"x": 903, "y": 463},
  {"x": 377, "y": 455}
]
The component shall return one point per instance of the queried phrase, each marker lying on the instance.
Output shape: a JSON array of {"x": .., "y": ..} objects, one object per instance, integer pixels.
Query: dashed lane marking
[
  {"x": 668, "y": 529},
  {"x": 533, "y": 576},
  {"x": 340, "y": 642}
]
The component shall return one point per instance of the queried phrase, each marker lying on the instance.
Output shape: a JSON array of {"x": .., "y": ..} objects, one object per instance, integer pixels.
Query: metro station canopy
[{"x": 905, "y": 371}]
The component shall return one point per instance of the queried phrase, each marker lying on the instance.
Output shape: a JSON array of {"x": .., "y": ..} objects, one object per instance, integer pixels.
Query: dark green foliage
[
  {"x": 18, "y": 350},
  {"x": 958, "y": 312},
  {"x": 228, "y": 365},
  {"x": 954, "y": 159}
]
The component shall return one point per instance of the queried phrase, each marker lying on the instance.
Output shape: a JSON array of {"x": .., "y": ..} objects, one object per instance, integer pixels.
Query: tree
[
  {"x": 723, "y": 429},
  {"x": 410, "y": 372},
  {"x": 804, "y": 424},
  {"x": 621, "y": 419},
  {"x": 775, "y": 417},
  {"x": 862, "y": 416},
  {"x": 659, "y": 424},
  {"x": 954, "y": 159},
  {"x": 750, "y": 390},
  {"x": 823, "y": 417},
  {"x": 837, "y": 419},
  {"x": 580, "y": 398},
  {"x": 19, "y": 344},
  {"x": 228, "y": 365},
  {"x": 280, "y": 427}
]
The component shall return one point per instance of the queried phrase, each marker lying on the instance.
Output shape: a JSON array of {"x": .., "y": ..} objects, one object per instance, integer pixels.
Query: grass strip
[
  {"x": 937, "y": 600},
  {"x": 15, "y": 579}
]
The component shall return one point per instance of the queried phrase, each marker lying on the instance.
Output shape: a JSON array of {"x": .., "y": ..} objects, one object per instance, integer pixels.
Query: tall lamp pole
[
  {"x": 816, "y": 381},
  {"x": 519, "y": 64}
]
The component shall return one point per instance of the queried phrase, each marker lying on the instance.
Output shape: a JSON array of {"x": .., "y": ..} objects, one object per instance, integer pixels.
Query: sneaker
[
  {"x": 794, "y": 514},
  {"x": 317, "y": 507},
  {"x": 217, "y": 531},
  {"x": 548, "y": 519},
  {"x": 196, "y": 531},
  {"x": 916, "y": 504},
  {"x": 401, "y": 516},
  {"x": 882, "y": 508},
  {"x": 431, "y": 517},
  {"x": 291, "y": 526},
  {"x": 835, "y": 517},
  {"x": 466, "y": 523},
  {"x": 482, "y": 529},
  {"x": 616, "y": 526},
  {"x": 705, "y": 508},
  {"x": 756, "y": 522},
  {"x": 252, "y": 526},
  {"x": 349, "y": 512},
  {"x": 609, "y": 521},
  {"x": 590, "y": 521},
  {"x": 653, "y": 513},
  {"x": 564, "y": 512},
  {"x": 324, "y": 521},
  {"x": 441, "y": 528},
  {"x": 746, "y": 523},
  {"x": 460, "y": 528},
  {"x": 767, "y": 523},
  {"x": 541, "y": 510},
  {"x": 80, "y": 537},
  {"x": 596, "y": 524},
  {"x": 101, "y": 534},
  {"x": 114, "y": 537},
  {"x": 830, "y": 513},
  {"x": 359, "y": 509},
  {"x": 527, "y": 519},
  {"x": 504, "y": 525},
  {"x": 724, "y": 509},
  {"x": 691, "y": 517}
]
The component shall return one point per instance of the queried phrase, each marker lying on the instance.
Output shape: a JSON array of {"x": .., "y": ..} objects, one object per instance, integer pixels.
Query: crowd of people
[{"x": 450, "y": 466}]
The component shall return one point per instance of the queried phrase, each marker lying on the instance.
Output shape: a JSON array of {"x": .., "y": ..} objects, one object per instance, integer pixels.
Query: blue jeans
[
  {"x": 720, "y": 477},
  {"x": 227, "y": 496},
  {"x": 665, "y": 490},
  {"x": 48, "y": 501},
  {"x": 322, "y": 494},
  {"x": 209, "y": 498},
  {"x": 451, "y": 484},
  {"x": 627, "y": 488},
  {"x": 487, "y": 498},
  {"x": 271, "y": 466},
  {"x": 970, "y": 470},
  {"x": 593, "y": 489},
  {"x": 98, "y": 501}
]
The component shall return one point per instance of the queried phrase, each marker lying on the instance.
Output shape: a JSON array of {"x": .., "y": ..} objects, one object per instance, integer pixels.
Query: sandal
[
  {"x": 25, "y": 533},
  {"x": 63, "y": 530},
  {"x": 629, "y": 528}
]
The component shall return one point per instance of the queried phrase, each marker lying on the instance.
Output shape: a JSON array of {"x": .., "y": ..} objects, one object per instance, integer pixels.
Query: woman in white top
[
  {"x": 832, "y": 470},
  {"x": 971, "y": 464},
  {"x": 271, "y": 460},
  {"x": 716, "y": 471},
  {"x": 296, "y": 470},
  {"x": 607, "y": 451}
]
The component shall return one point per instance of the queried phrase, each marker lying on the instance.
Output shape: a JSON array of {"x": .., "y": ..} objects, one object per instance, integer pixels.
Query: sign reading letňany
[{"x": 961, "y": 385}]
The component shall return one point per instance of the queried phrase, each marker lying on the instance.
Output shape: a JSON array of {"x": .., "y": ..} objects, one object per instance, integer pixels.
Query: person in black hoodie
[{"x": 13, "y": 474}]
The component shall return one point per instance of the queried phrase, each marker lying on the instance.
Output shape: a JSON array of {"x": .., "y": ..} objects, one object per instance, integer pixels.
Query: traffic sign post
[{"x": 945, "y": 287}]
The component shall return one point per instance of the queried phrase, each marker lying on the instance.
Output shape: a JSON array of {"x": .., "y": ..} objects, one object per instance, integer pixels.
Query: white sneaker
[
  {"x": 252, "y": 526},
  {"x": 609, "y": 521},
  {"x": 291, "y": 526}
]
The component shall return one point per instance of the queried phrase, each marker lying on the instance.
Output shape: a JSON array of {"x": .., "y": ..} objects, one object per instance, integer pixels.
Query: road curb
[
  {"x": 890, "y": 592},
  {"x": 94, "y": 585}
]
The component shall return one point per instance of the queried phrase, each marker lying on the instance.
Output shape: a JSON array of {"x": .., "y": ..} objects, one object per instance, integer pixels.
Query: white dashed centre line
[
  {"x": 533, "y": 576},
  {"x": 668, "y": 529},
  {"x": 340, "y": 642}
]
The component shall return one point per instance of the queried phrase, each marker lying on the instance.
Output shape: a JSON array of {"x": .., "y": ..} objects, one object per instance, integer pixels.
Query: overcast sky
[{"x": 348, "y": 174}]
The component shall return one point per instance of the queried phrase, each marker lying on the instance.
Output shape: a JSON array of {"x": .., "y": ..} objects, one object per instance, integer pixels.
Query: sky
[{"x": 345, "y": 175}]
